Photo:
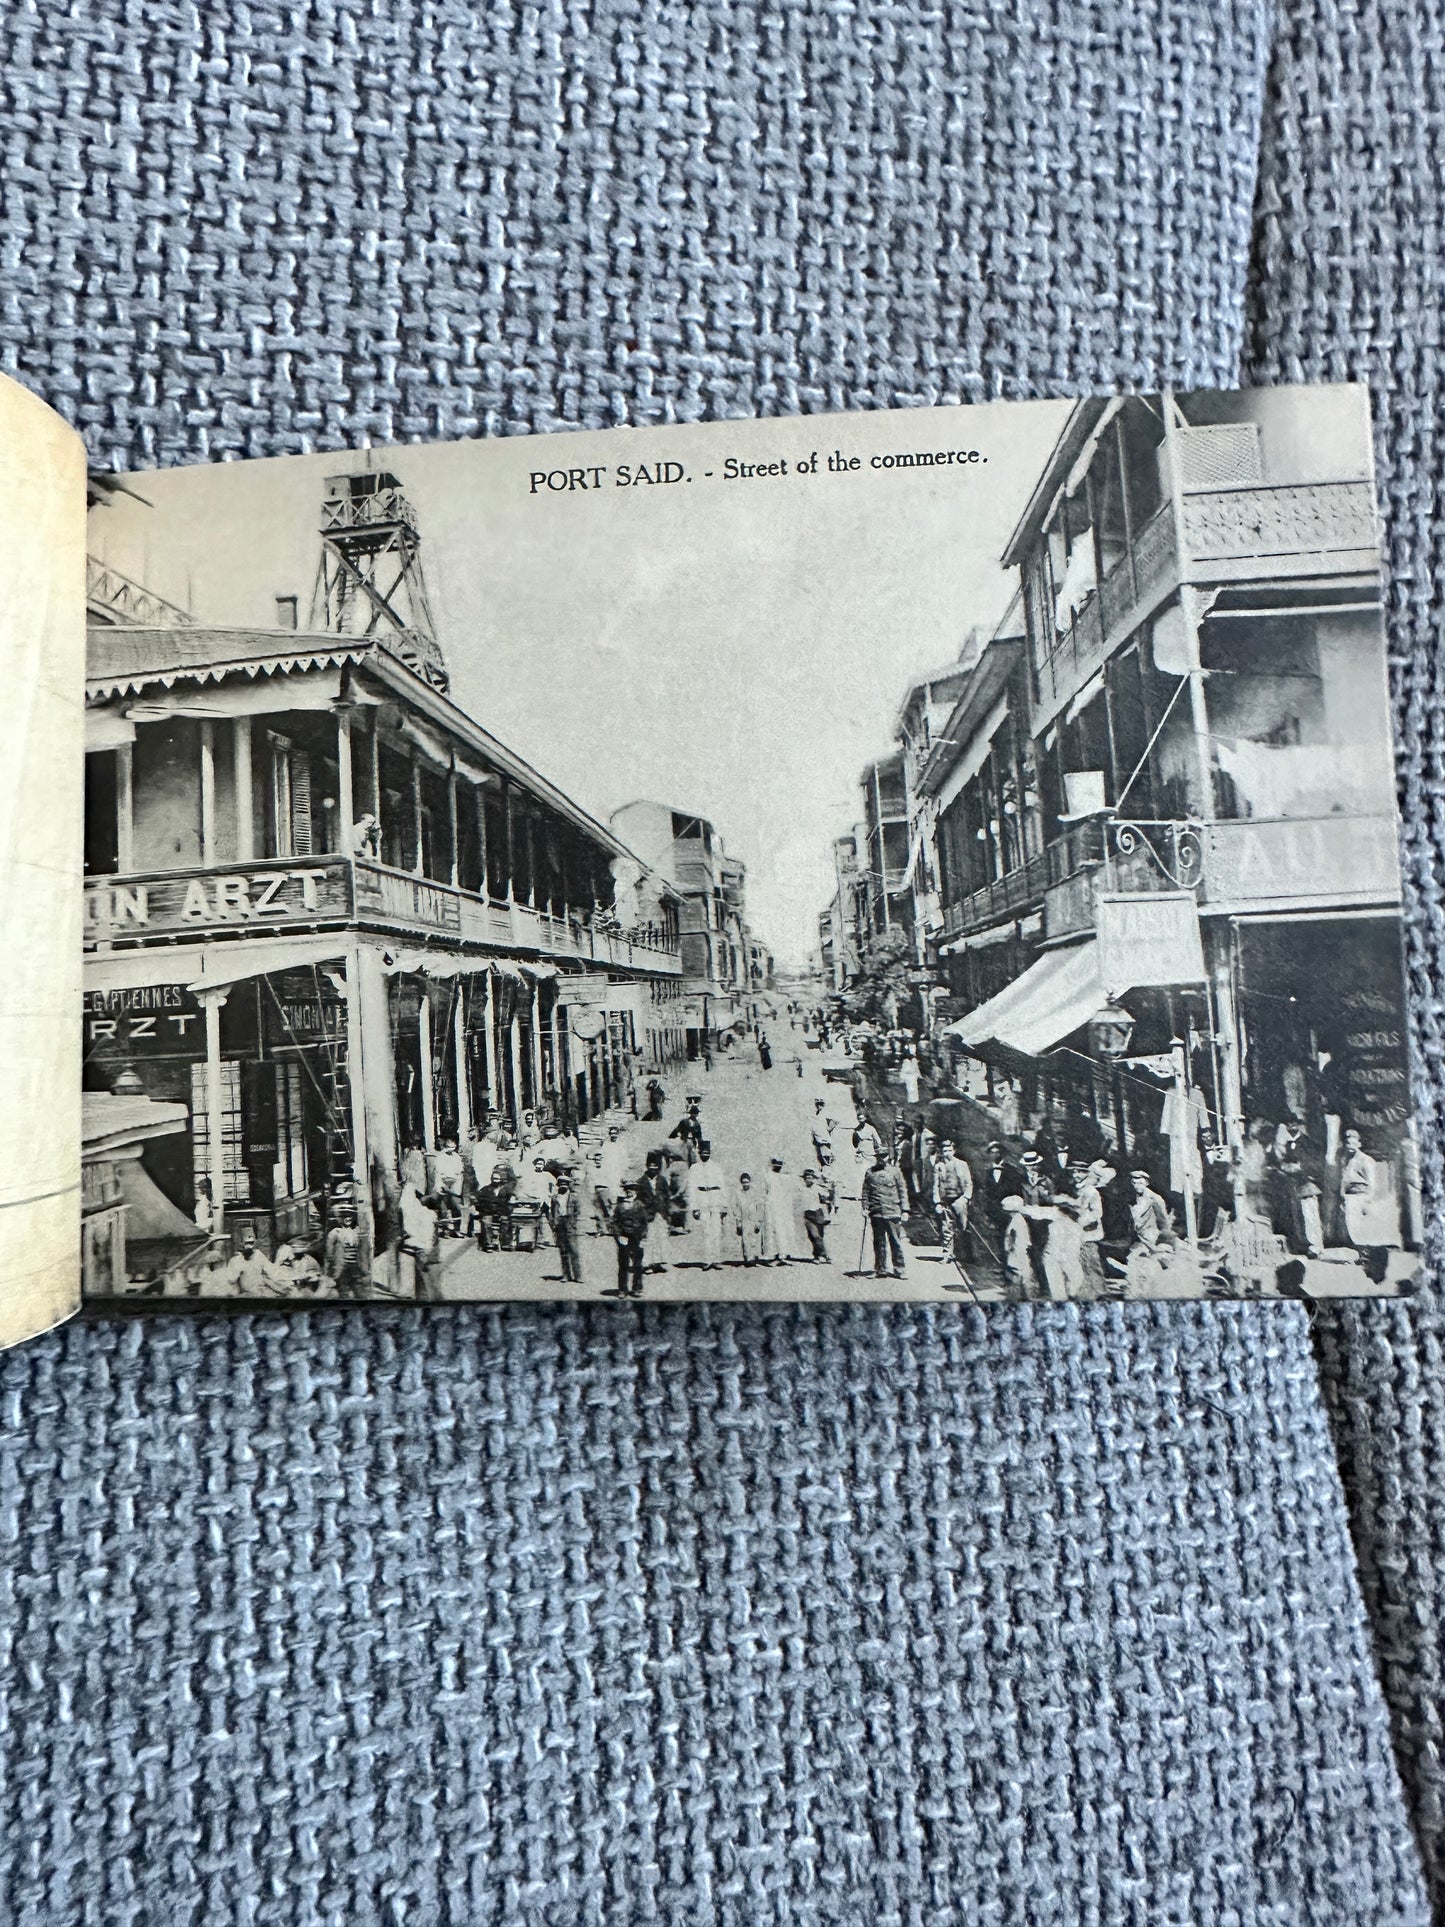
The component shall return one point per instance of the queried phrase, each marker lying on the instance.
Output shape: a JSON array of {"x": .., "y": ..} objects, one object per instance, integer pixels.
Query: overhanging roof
[
  {"x": 124, "y": 661},
  {"x": 995, "y": 665}
]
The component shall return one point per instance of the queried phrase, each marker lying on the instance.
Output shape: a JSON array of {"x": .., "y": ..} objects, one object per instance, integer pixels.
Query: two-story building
[
  {"x": 1173, "y": 805},
  {"x": 333, "y": 916}
]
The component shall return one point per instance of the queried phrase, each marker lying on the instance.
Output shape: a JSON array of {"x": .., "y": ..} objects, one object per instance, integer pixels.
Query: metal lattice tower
[{"x": 370, "y": 580}]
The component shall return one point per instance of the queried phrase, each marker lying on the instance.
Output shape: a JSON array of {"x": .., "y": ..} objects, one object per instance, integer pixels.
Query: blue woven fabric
[{"x": 718, "y": 1614}]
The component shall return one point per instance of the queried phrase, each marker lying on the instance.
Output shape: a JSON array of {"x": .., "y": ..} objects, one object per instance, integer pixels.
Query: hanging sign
[{"x": 1148, "y": 940}]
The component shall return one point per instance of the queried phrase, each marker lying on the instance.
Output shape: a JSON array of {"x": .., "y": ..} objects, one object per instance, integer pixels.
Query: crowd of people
[{"x": 662, "y": 1200}]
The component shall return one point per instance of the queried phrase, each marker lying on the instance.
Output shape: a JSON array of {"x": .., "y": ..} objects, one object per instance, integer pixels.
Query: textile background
[{"x": 717, "y": 1614}]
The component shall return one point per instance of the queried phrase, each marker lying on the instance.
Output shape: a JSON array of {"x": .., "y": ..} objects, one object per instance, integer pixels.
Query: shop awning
[
  {"x": 1053, "y": 998},
  {"x": 206, "y": 966}
]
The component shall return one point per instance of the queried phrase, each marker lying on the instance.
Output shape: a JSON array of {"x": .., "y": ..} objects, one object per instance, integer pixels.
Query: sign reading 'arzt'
[{"x": 198, "y": 902}]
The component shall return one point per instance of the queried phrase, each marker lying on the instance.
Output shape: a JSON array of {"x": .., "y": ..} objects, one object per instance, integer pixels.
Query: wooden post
[
  {"x": 125, "y": 807},
  {"x": 416, "y": 814},
  {"x": 345, "y": 802},
  {"x": 355, "y": 1080},
  {"x": 245, "y": 807},
  {"x": 215, "y": 1105},
  {"x": 376, "y": 779},
  {"x": 489, "y": 1037},
  {"x": 459, "y": 1047},
  {"x": 452, "y": 816},
  {"x": 428, "y": 1089},
  {"x": 536, "y": 1042},
  {"x": 479, "y": 795},
  {"x": 514, "y": 1040},
  {"x": 208, "y": 791},
  {"x": 509, "y": 830}
]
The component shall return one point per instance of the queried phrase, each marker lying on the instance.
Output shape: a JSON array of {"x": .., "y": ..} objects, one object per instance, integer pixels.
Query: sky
[{"x": 737, "y": 647}]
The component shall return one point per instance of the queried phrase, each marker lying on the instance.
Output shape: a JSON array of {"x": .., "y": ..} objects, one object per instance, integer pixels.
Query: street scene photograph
[{"x": 934, "y": 854}]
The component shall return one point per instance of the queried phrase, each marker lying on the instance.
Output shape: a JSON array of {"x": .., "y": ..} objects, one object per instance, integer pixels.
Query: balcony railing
[
  {"x": 1293, "y": 528},
  {"x": 302, "y": 892},
  {"x": 1349, "y": 859}
]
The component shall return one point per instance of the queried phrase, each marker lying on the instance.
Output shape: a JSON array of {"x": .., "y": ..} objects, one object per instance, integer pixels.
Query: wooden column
[
  {"x": 212, "y": 1002},
  {"x": 208, "y": 791},
  {"x": 514, "y": 1041},
  {"x": 536, "y": 1042},
  {"x": 245, "y": 810},
  {"x": 125, "y": 808},
  {"x": 479, "y": 796},
  {"x": 509, "y": 830},
  {"x": 356, "y": 1090},
  {"x": 459, "y": 1046},
  {"x": 416, "y": 814},
  {"x": 345, "y": 801},
  {"x": 428, "y": 1090},
  {"x": 490, "y": 1040},
  {"x": 376, "y": 779},
  {"x": 456, "y": 840}
]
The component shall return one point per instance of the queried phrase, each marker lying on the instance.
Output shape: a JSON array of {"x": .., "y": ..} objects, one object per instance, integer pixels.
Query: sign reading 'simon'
[
  {"x": 1145, "y": 940},
  {"x": 189, "y": 902}
]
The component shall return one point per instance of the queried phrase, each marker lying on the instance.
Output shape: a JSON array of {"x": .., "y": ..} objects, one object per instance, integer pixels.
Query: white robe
[{"x": 707, "y": 1196}]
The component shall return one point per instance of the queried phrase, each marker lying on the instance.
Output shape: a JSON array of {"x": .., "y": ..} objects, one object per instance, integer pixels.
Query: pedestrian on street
[
  {"x": 612, "y": 1161},
  {"x": 450, "y": 1178},
  {"x": 688, "y": 1129},
  {"x": 885, "y": 1205},
  {"x": 951, "y": 1195},
  {"x": 749, "y": 1208},
  {"x": 655, "y": 1095},
  {"x": 707, "y": 1200},
  {"x": 656, "y": 1194},
  {"x": 1018, "y": 1262},
  {"x": 817, "y": 1205},
  {"x": 566, "y": 1215},
  {"x": 778, "y": 1199},
  {"x": 629, "y": 1230},
  {"x": 250, "y": 1272},
  {"x": 765, "y": 1054},
  {"x": 493, "y": 1204},
  {"x": 419, "y": 1242},
  {"x": 343, "y": 1256}
]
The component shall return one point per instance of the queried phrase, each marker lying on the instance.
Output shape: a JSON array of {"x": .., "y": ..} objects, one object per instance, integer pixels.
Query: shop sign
[
  {"x": 1148, "y": 940},
  {"x": 593, "y": 987},
  {"x": 211, "y": 900},
  {"x": 1372, "y": 1064},
  {"x": 1346, "y": 858},
  {"x": 297, "y": 1014},
  {"x": 146, "y": 1019}
]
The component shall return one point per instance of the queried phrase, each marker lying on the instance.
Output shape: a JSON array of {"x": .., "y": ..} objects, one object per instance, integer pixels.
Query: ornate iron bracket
[{"x": 1175, "y": 849}]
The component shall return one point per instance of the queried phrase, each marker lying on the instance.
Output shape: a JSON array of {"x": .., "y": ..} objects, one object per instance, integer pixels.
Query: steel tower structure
[{"x": 369, "y": 581}]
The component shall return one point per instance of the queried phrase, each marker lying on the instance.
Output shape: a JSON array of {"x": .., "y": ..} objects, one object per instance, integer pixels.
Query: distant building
[{"x": 718, "y": 954}]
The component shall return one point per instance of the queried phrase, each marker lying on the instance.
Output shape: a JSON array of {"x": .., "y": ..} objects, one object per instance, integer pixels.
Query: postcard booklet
[{"x": 932, "y": 853}]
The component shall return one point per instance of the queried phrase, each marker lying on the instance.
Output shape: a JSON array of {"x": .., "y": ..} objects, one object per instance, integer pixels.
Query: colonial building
[
  {"x": 328, "y": 912},
  {"x": 1167, "y": 810}
]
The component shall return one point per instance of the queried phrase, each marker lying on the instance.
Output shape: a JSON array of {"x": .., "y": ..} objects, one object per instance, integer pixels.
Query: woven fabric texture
[
  {"x": 711, "y": 1614},
  {"x": 1350, "y": 258}
]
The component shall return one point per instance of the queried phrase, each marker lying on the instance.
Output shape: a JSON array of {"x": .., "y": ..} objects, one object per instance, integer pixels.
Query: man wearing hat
[
  {"x": 630, "y": 1219},
  {"x": 885, "y": 1205},
  {"x": 1000, "y": 1180}
]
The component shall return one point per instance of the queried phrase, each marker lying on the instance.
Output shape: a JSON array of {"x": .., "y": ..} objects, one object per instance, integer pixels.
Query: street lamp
[{"x": 1110, "y": 1031}]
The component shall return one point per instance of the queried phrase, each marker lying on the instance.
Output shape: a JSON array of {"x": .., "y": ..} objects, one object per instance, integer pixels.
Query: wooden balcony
[
  {"x": 303, "y": 893},
  {"x": 1259, "y": 532},
  {"x": 1253, "y": 864}
]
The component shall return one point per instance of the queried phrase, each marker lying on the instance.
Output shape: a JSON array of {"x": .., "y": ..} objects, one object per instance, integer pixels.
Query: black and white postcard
[{"x": 934, "y": 854}]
